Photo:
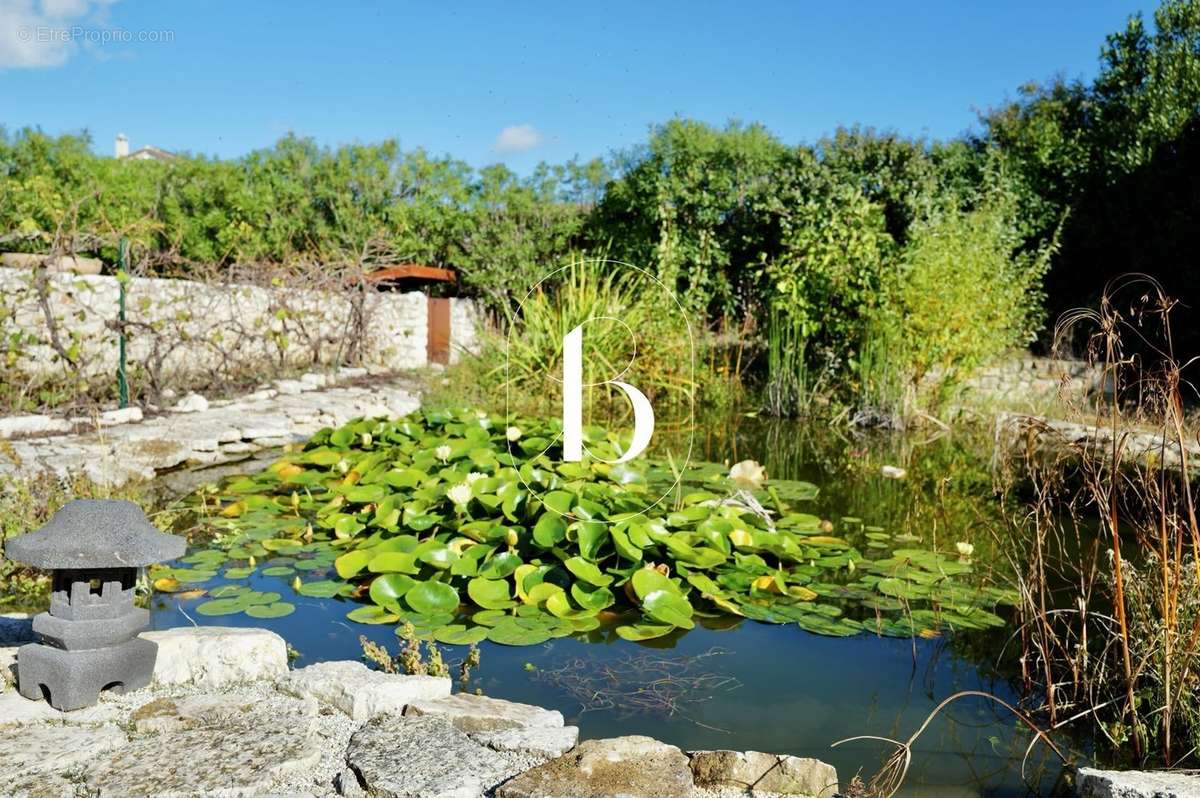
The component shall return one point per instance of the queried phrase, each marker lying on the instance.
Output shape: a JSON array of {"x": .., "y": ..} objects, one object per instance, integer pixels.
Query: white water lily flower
[
  {"x": 964, "y": 549},
  {"x": 459, "y": 494},
  {"x": 893, "y": 472},
  {"x": 442, "y": 452},
  {"x": 748, "y": 475},
  {"x": 474, "y": 477},
  {"x": 512, "y": 433},
  {"x": 481, "y": 415}
]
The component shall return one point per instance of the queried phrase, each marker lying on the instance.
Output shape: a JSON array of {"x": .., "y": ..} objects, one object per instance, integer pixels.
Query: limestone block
[
  {"x": 361, "y": 692},
  {"x": 420, "y": 757},
  {"x": 631, "y": 767},
  {"x": 213, "y": 656},
  {"x": 477, "y": 713},
  {"x": 541, "y": 741},
  {"x": 785, "y": 775},
  {"x": 32, "y": 425}
]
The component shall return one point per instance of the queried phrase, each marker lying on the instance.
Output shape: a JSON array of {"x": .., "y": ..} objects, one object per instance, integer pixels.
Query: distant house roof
[{"x": 149, "y": 154}]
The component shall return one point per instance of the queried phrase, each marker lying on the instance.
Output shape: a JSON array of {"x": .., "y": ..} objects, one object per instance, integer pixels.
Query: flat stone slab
[
  {"x": 422, "y": 757},
  {"x": 137, "y": 451},
  {"x": 772, "y": 773},
  {"x": 629, "y": 767},
  {"x": 361, "y": 692},
  {"x": 16, "y": 708},
  {"x": 213, "y": 656},
  {"x": 44, "y": 748},
  {"x": 226, "y": 745},
  {"x": 1136, "y": 784},
  {"x": 32, "y": 425},
  {"x": 477, "y": 713},
  {"x": 186, "y": 712},
  {"x": 542, "y": 741}
]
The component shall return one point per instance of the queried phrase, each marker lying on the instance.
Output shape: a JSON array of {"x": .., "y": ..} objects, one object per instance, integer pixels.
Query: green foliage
[
  {"x": 630, "y": 318},
  {"x": 443, "y": 529},
  {"x": 684, "y": 207},
  {"x": 820, "y": 245},
  {"x": 967, "y": 294},
  {"x": 294, "y": 201},
  {"x": 1113, "y": 162},
  {"x": 828, "y": 276}
]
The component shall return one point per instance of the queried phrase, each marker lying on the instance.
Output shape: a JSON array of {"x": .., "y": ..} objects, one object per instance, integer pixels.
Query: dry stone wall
[
  {"x": 465, "y": 323},
  {"x": 191, "y": 329}
]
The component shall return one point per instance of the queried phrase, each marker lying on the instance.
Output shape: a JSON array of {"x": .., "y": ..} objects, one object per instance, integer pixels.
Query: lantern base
[{"x": 74, "y": 679}]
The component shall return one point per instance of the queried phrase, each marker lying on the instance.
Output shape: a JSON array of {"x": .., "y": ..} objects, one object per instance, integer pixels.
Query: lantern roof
[{"x": 95, "y": 533}]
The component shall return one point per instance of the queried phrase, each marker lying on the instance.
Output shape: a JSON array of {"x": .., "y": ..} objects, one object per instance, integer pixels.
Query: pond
[{"x": 737, "y": 683}]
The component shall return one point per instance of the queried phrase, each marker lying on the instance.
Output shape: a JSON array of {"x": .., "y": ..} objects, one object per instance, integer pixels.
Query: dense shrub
[
  {"x": 1114, "y": 162},
  {"x": 967, "y": 292}
]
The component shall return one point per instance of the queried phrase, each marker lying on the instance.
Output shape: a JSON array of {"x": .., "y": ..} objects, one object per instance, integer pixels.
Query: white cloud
[
  {"x": 518, "y": 138},
  {"x": 36, "y": 33}
]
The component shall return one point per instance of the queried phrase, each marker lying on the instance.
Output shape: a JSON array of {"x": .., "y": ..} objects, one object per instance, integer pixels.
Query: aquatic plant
[
  {"x": 643, "y": 683},
  {"x": 444, "y": 521}
]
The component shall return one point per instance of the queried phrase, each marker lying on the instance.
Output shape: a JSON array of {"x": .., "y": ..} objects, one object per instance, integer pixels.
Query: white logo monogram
[{"x": 572, "y": 406}]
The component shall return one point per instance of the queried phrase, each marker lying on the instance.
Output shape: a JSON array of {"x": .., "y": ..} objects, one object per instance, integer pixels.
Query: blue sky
[{"x": 522, "y": 82}]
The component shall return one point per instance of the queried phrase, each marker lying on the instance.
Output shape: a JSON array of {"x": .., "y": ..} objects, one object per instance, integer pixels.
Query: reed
[{"x": 1107, "y": 547}]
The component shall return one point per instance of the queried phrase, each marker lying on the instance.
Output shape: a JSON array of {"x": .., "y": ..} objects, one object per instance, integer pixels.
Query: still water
[{"x": 753, "y": 686}]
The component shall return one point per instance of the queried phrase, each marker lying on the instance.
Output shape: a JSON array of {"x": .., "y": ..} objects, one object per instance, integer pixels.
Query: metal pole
[{"x": 122, "y": 278}]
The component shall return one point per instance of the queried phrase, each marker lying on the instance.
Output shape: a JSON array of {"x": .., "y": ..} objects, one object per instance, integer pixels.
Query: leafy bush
[
  {"x": 632, "y": 321},
  {"x": 829, "y": 275},
  {"x": 684, "y": 207},
  {"x": 966, "y": 292}
]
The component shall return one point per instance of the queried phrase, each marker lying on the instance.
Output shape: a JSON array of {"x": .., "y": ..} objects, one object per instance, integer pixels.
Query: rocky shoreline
[
  {"x": 226, "y": 717},
  {"x": 122, "y": 446}
]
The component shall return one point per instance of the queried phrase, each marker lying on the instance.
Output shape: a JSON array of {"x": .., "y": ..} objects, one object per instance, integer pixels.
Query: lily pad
[
  {"x": 432, "y": 597},
  {"x": 278, "y": 609}
]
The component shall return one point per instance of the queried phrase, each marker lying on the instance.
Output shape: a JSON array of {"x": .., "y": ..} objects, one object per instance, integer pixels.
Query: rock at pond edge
[
  {"x": 631, "y": 767},
  {"x": 771, "y": 773},
  {"x": 1135, "y": 784},
  {"x": 398, "y": 757},
  {"x": 478, "y": 713},
  {"x": 545, "y": 742},
  {"x": 361, "y": 692},
  {"x": 214, "y": 656}
]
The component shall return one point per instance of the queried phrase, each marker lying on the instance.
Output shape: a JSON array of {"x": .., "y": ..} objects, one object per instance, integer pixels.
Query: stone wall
[
  {"x": 465, "y": 323},
  {"x": 1029, "y": 377},
  {"x": 194, "y": 329}
]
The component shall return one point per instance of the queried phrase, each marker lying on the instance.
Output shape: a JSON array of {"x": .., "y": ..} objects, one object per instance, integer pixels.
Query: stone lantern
[{"x": 89, "y": 639}]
